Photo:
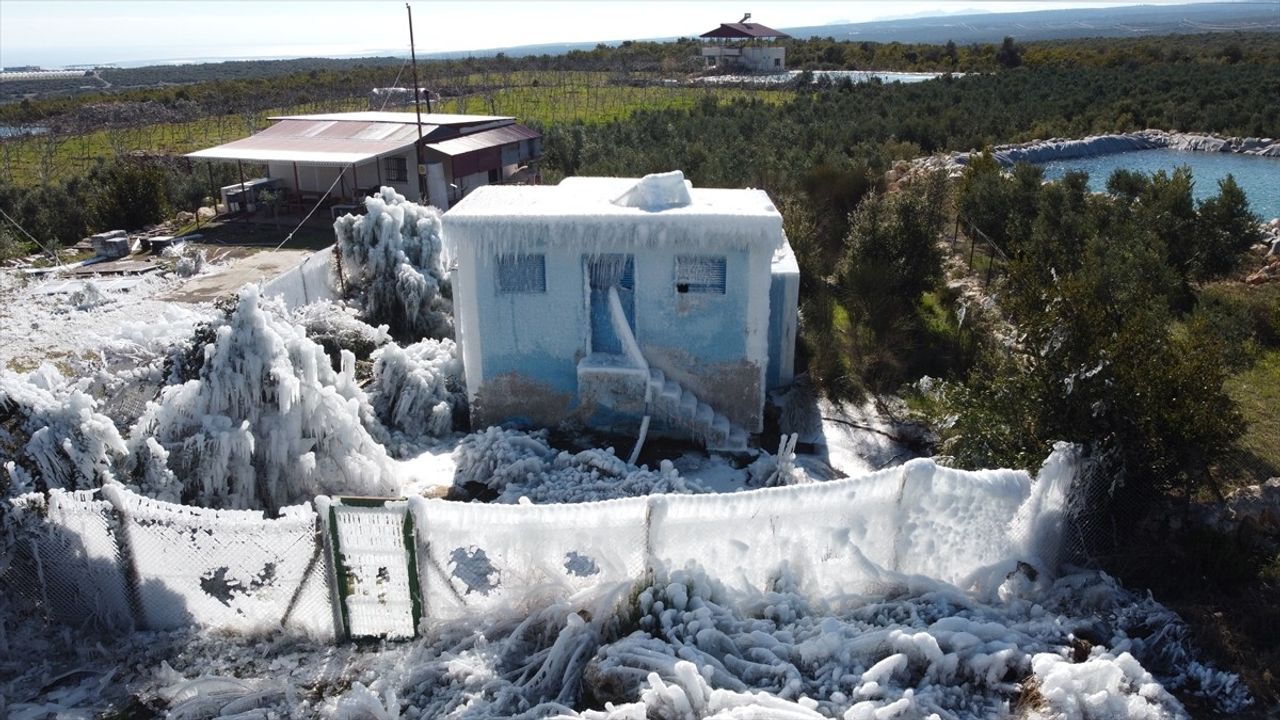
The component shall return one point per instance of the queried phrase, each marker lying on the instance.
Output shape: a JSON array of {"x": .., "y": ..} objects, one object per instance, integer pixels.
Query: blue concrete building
[{"x": 608, "y": 300}]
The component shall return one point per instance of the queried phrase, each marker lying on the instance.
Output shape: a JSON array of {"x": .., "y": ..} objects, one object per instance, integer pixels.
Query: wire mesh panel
[
  {"x": 374, "y": 566},
  {"x": 954, "y": 524},
  {"x": 478, "y": 559},
  {"x": 218, "y": 568},
  {"x": 66, "y": 558},
  {"x": 829, "y": 539}
]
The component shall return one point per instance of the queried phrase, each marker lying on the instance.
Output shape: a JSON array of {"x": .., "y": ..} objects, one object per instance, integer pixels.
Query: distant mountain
[
  {"x": 1130, "y": 21},
  {"x": 978, "y": 26}
]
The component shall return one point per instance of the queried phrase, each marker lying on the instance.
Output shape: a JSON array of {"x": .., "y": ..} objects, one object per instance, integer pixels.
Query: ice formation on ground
[
  {"x": 1076, "y": 649},
  {"x": 514, "y": 464},
  {"x": 267, "y": 423},
  {"x": 392, "y": 266}
]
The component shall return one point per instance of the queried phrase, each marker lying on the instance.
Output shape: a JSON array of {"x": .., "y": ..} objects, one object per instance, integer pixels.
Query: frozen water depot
[{"x": 615, "y": 301}]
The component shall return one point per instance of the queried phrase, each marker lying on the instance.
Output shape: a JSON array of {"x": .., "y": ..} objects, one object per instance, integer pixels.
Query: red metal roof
[
  {"x": 484, "y": 139},
  {"x": 741, "y": 31}
]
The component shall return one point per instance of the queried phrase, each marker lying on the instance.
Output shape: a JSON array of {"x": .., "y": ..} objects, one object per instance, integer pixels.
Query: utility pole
[{"x": 417, "y": 105}]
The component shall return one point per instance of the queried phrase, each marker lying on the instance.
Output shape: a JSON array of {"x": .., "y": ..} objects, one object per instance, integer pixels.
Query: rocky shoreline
[{"x": 1040, "y": 151}]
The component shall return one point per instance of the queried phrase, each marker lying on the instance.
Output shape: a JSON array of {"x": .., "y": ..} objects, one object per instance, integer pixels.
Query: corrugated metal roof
[
  {"x": 399, "y": 117},
  {"x": 317, "y": 141},
  {"x": 744, "y": 30},
  {"x": 484, "y": 139}
]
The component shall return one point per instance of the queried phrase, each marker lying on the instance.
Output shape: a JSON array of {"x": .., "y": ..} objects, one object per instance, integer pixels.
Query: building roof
[
  {"x": 316, "y": 141},
  {"x": 408, "y": 118},
  {"x": 583, "y": 210},
  {"x": 339, "y": 139},
  {"x": 740, "y": 31},
  {"x": 484, "y": 139}
]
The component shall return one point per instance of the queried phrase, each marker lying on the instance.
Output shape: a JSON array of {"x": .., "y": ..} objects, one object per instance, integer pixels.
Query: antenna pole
[{"x": 417, "y": 104}]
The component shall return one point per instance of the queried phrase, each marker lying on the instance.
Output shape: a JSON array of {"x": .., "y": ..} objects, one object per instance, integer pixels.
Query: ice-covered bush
[
  {"x": 267, "y": 422},
  {"x": 336, "y": 326},
  {"x": 391, "y": 263},
  {"x": 513, "y": 464},
  {"x": 418, "y": 389},
  {"x": 52, "y": 435}
]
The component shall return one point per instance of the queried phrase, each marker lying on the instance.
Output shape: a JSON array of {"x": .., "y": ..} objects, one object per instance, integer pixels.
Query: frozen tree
[
  {"x": 417, "y": 389},
  {"x": 392, "y": 267},
  {"x": 52, "y": 434},
  {"x": 267, "y": 422}
]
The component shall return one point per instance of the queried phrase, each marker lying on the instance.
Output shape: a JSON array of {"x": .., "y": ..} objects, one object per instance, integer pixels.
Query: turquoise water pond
[{"x": 1258, "y": 176}]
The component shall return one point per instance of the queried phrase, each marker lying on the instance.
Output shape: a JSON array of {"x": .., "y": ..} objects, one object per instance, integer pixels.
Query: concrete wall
[
  {"x": 784, "y": 301},
  {"x": 522, "y": 349}
]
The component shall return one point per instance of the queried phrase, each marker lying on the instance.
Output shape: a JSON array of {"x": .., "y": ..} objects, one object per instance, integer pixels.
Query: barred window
[
  {"x": 522, "y": 273},
  {"x": 700, "y": 274},
  {"x": 397, "y": 169}
]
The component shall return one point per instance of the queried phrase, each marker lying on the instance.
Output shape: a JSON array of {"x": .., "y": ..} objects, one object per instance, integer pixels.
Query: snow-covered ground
[
  {"x": 256, "y": 414},
  {"x": 90, "y": 321}
]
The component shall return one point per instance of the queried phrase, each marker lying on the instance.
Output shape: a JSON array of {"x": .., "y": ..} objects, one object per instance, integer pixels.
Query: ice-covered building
[
  {"x": 606, "y": 300},
  {"x": 355, "y": 153}
]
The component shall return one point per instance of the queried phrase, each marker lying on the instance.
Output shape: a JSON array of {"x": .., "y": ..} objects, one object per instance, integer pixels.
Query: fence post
[
  {"x": 649, "y": 570},
  {"x": 972, "y": 242},
  {"x": 124, "y": 548}
]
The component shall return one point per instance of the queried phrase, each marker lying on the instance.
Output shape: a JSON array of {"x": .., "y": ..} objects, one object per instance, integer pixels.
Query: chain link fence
[{"x": 371, "y": 567}]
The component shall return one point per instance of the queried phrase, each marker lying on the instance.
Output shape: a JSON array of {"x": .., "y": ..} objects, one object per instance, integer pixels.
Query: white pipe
[{"x": 644, "y": 432}]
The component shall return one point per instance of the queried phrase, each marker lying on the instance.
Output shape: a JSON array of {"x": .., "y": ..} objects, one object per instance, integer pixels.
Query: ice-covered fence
[
  {"x": 309, "y": 281},
  {"x": 223, "y": 568},
  {"x": 67, "y": 557},
  {"x": 475, "y": 558},
  {"x": 385, "y": 564},
  {"x": 374, "y": 571}
]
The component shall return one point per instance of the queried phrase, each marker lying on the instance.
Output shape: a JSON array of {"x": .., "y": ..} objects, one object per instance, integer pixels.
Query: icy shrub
[
  {"x": 418, "y": 389},
  {"x": 336, "y": 328},
  {"x": 392, "y": 266},
  {"x": 52, "y": 434},
  {"x": 496, "y": 457},
  {"x": 777, "y": 470},
  {"x": 267, "y": 422},
  {"x": 513, "y": 464}
]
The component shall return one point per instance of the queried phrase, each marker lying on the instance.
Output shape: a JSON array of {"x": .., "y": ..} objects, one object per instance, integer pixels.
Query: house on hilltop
[
  {"x": 745, "y": 46},
  {"x": 609, "y": 300},
  {"x": 358, "y": 152}
]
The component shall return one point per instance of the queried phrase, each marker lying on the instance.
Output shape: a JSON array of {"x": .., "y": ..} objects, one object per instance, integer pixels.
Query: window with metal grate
[
  {"x": 522, "y": 273},
  {"x": 700, "y": 274}
]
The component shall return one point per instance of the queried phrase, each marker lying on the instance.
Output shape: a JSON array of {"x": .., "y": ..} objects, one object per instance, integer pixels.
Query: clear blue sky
[{"x": 62, "y": 32}]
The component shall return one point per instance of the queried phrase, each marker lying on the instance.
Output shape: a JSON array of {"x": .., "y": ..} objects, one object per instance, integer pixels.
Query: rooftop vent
[{"x": 659, "y": 191}]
